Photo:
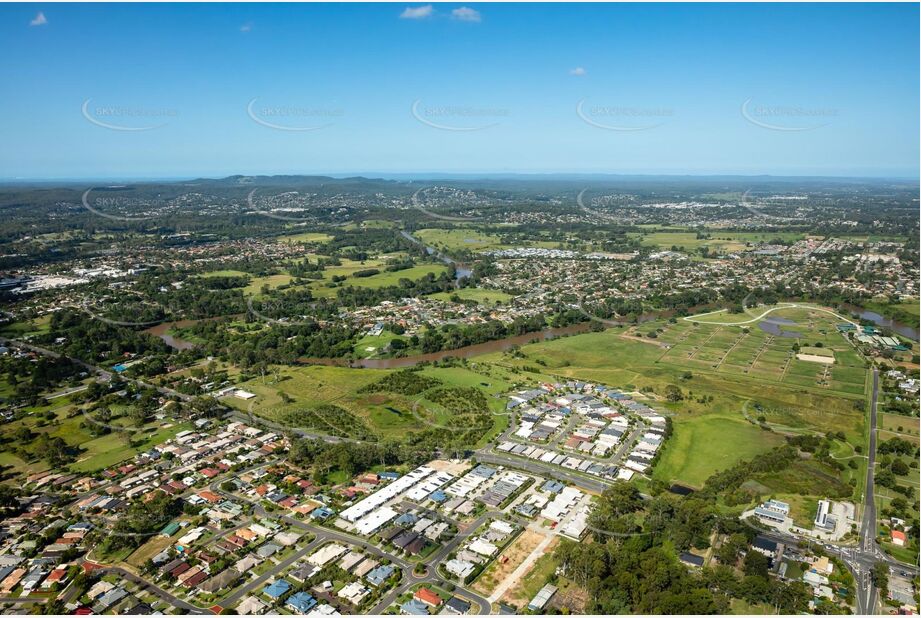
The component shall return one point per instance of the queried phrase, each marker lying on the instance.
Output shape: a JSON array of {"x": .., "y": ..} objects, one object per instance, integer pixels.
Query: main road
[{"x": 869, "y": 551}]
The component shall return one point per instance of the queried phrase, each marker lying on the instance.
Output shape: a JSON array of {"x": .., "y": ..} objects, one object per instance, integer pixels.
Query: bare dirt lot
[{"x": 512, "y": 557}]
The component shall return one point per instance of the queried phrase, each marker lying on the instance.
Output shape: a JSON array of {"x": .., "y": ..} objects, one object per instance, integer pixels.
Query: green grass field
[
  {"x": 385, "y": 414},
  {"x": 739, "y": 374},
  {"x": 307, "y": 237},
  {"x": 459, "y": 238},
  {"x": 719, "y": 241},
  {"x": 110, "y": 449},
  {"x": 96, "y": 452},
  {"x": 256, "y": 283},
  {"x": 31, "y": 328},
  {"x": 724, "y": 441},
  {"x": 480, "y": 295},
  {"x": 470, "y": 239},
  {"x": 347, "y": 269},
  {"x": 896, "y": 425}
]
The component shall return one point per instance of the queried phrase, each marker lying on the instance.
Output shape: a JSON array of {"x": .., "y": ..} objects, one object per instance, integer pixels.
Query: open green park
[
  {"x": 63, "y": 418},
  {"x": 483, "y": 296},
  {"x": 325, "y": 287},
  {"x": 475, "y": 240},
  {"x": 717, "y": 241},
  {"x": 380, "y": 413},
  {"x": 742, "y": 388}
]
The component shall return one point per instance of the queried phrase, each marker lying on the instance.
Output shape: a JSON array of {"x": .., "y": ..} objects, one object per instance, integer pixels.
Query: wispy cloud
[
  {"x": 247, "y": 27},
  {"x": 40, "y": 20},
  {"x": 578, "y": 71},
  {"x": 417, "y": 12},
  {"x": 465, "y": 13}
]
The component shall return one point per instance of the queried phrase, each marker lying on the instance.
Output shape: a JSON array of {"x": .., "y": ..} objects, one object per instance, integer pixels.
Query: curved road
[{"x": 694, "y": 318}]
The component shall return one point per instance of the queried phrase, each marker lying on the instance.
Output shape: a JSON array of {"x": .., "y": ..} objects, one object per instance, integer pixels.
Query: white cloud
[
  {"x": 417, "y": 12},
  {"x": 578, "y": 71},
  {"x": 248, "y": 26},
  {"x": 40, "y": 20},
  {"x": 465, "y": 13}
]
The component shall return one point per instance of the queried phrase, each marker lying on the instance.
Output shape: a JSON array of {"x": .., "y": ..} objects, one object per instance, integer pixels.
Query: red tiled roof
[{"x": 427, "y": 596}]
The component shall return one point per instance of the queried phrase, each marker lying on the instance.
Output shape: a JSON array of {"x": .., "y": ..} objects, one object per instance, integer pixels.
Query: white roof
[
  {"x": 387, "y": 493},
  {"x": 373, "y": 521}
]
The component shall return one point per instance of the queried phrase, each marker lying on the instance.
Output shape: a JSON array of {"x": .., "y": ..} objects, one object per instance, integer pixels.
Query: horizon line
[{"x": 407, "y": 175}]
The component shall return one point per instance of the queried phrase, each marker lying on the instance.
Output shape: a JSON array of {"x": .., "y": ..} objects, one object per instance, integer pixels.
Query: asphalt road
[
  {"x": 859, "y": 559},
  {"x": 153, "y": 589},
  {"x": 866, "y": 590},
  {"x": 590, "y": 484}
]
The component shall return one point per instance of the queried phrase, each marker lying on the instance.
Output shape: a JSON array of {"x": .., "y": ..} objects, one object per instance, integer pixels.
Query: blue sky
[{"x": 810, "y": 89}]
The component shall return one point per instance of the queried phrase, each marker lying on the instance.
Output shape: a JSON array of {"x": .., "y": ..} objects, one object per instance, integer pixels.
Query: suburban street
[{"x": 860, "y": 559}]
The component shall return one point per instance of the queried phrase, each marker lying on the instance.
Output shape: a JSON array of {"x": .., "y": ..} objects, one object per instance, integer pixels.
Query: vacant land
[
  {"x": 479, "y": 295},
  {"x": 323, "y": 288},
  {"x": 896, "y": 425},
  {"x": 148, "y": 550},
  {"x": 730, "y": 378},
  {"x": 307, "y": 237},
  {"x": 681, "y": 458},
  {"x": 461, "y": 238},
  {"x": 256, "y": 283},
  {"x": 384, "y": 414},
  {"x": 25, "y": 330},
  {"x": 470, "y": 239},
  {"x": 767, "y": 347},
  {"x": 718, "y": 241},
  {"x": 529, "y": 586},
  {"x": 506, "y": 564}
]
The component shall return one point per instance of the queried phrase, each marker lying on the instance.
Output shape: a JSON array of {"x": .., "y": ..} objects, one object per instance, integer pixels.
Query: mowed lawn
[
  {"x": 703, "y": 445},
  {"x": 111, "y": 449},
  {"x": 95, "y": 453},
  {"x": 469, "y": 239},
  {"x": 459, "y": 238}
]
